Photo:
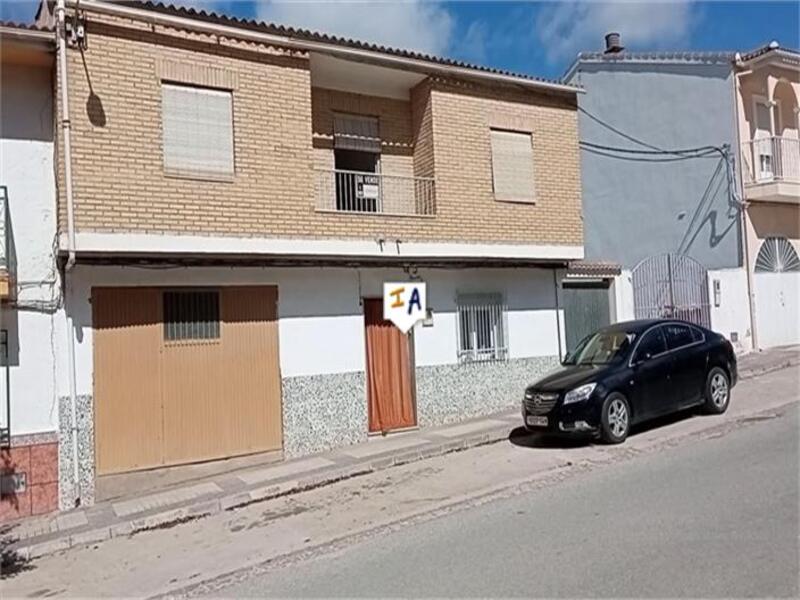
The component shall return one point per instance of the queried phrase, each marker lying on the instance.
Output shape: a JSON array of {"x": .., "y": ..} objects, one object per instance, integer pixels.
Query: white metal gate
[
  {"x": 777, "y": 283},
  {"x": 672, "y": 286}
]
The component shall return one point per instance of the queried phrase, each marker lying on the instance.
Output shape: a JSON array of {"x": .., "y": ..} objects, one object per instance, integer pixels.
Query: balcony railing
[
  {"x": 771, "y": 159},
  {"x": 375, "y": 193}
]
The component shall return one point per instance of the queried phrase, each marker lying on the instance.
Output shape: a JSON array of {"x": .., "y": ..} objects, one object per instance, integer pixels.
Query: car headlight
[{"x": 579, "y": 394}]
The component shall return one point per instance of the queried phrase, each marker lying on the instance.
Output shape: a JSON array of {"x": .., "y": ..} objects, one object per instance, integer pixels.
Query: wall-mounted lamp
[{"x": 717, "y": 293}]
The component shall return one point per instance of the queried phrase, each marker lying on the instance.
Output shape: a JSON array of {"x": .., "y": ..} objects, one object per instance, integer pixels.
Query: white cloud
[
  {"x": 567, "y": 28},
  {"x": 411, "y": 24}
]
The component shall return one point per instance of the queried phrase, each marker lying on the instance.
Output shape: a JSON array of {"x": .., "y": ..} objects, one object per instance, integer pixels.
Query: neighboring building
[
  {"x": 241, "y": 193},
  {"x": 30, "y": 288},
  {"x": 767, "y": 100},
  {"x": 672, "y": 222}
]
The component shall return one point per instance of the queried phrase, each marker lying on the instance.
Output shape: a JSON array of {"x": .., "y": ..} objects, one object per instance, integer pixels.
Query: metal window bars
[{"x": 482, "y": 328}]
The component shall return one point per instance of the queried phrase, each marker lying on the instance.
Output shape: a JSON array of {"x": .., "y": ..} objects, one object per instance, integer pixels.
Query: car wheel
[
  {"x": 718, "y": 391},
  {"x": 615, "y": 421}
]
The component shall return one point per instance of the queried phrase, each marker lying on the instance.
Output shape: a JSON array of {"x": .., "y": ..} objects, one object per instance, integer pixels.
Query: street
[
  {"x": 688, "y": 506},
  {"x": 718, "y": 518}
]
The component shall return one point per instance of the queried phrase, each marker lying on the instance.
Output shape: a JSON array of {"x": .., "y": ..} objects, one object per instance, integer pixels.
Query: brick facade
[{"x": 282, "y": 132}]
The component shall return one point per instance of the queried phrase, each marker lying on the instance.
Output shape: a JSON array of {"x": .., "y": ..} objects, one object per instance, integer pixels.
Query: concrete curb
[{"x": 28, "y": 548}]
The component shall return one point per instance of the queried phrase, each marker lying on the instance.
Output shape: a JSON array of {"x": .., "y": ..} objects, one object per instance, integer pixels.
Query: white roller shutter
[
  {"x": 512, "y": 166},
  {"x": 198, "y": 129}
]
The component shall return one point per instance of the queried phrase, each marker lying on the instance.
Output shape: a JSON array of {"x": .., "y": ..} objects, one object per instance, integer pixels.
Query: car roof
[{"x": 637, "y": 326}]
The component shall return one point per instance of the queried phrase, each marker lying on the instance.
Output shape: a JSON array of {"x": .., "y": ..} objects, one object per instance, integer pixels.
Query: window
[
  {"x": 678, "y": 336},
  {"x": 197, "y": 130},
  {"x": 481, "y": 328},
  {"x": 652, "y": 344},
  {"x": 601, "y": 348},
  {"x": 697, "y": 335},
  {"x": 512, "y": 166},
  {"x": 191, "y": 315},
  {"x": 777, "y": 255}
]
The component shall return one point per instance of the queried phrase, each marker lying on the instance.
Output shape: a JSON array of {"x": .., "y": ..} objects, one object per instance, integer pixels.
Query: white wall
[
  {"x": 321, "y": 321},
  {"x": 26, "y": 169},
  {"x": 622, "y": 297},
  {"x": 733, "y": 312}
]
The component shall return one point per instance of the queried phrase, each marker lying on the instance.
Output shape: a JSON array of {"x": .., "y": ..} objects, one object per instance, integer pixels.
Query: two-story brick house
[{"x": 240, "y": 193}]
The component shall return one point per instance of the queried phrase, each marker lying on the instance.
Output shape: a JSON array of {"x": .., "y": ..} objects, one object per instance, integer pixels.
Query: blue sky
[{"x": 540, "y": 38}]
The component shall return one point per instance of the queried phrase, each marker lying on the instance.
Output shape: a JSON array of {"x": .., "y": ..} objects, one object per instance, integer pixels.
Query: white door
[
  {"x": 777, "y": 283},
  {"x": 762, "y": 141}
]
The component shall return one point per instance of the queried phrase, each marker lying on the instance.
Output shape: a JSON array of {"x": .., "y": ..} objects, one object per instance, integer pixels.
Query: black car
[{"x": 630, "y": 372}]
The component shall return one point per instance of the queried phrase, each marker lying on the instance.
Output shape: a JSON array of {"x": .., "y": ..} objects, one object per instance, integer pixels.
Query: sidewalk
[{"x": 211, "y": 495}]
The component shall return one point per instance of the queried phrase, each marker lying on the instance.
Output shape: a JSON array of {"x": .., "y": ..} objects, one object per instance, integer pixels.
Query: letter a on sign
[{"x": 404, "y": 303}]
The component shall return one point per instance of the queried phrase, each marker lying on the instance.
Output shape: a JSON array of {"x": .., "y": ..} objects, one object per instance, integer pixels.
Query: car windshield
[{"x": 601, "y": 348}]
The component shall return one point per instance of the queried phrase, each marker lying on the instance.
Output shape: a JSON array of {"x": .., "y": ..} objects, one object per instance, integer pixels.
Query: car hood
[{"x": 568, "y": 377}]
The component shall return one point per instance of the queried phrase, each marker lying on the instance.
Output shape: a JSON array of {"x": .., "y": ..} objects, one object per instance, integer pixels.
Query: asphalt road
[{"x": 715, "y": 518}]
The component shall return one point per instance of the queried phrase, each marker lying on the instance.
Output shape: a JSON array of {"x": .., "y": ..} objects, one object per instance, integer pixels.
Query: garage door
[
  {"x": 184, "y": 375},
  {"x": 777, "y": 283}
]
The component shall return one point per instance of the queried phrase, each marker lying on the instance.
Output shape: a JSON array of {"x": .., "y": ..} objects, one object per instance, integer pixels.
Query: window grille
[
  {"x": 482, "y": 328},
  {"x": 191, "y": 315}
]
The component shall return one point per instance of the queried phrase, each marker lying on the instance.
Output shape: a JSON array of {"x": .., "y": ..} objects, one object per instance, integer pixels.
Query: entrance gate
[{"x": 671, "y": 286}]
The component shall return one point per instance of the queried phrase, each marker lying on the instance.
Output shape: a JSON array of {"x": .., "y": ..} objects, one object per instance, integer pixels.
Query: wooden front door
[
  {"x": 184, "y": 375},
  {"x": 389, "y": 379}
]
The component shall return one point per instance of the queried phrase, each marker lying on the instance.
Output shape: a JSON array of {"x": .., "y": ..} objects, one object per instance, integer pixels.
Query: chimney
[{"x": 613, "y": 43}]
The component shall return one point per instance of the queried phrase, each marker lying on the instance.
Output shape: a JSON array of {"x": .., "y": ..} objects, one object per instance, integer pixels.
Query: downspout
[
  {"x": 558, "y": 316},
  {"x": 737, "y": 92},
  {"x": 67, "y": 136}
]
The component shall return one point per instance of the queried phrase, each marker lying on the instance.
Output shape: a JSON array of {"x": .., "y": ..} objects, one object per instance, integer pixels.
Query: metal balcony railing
[
  {"x": 771, "y": 159},
  {"x": 374, "y": 193}
]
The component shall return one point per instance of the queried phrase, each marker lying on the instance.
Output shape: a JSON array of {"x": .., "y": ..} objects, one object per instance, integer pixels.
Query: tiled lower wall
[
  {"x": 34, "y": 460},
  {"x": 451, "y": 393},
  {"x": 85, "y": 409},
  {"x": 321, "y": 412}
]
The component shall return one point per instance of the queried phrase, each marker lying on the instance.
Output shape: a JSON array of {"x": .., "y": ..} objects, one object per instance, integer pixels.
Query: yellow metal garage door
[{"x": 184, "y": 375}]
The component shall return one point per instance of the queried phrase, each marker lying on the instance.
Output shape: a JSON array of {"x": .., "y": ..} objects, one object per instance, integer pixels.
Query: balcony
[
  {"x": 374, "y": 193},
  {"x": 771, "y": 169}
]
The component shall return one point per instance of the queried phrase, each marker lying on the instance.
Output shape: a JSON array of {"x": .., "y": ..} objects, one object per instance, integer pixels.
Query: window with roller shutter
[
  {"x": 197, "y": 130},
  {"x": 512, "y": 166}
]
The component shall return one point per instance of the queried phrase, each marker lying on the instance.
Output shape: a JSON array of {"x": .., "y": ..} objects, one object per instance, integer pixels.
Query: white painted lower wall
[
  {"x": 321, "y": 323},
  {"x": 32, "y": 348},
  {"x": 730, "y": 308},
  {"x": 730, "y": 311}
]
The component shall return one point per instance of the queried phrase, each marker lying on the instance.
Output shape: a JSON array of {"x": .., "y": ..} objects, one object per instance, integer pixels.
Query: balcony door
[
  {"x": 762, "y": 140},
  {"x": 357, "y": 163}
]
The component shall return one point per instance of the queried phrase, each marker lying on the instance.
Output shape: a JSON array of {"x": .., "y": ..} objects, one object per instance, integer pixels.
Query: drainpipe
[
  {"x": 737, "y": 93},
  {"x": 558, "y": 316},
  {"x": 66, "y": 129}
]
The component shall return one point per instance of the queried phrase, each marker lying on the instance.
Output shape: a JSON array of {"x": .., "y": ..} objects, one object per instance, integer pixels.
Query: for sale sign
[{"x": 404, "y": 303}]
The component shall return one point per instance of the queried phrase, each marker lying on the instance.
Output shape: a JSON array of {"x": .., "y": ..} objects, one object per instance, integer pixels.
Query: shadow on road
[
  {"x": 519, "y": 436},
  {"x": 11, "y": 563}
]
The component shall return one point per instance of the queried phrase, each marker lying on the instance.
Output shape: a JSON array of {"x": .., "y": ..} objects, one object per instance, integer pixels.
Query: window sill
[
  {"x": 515, "y": 200},
  {"x": 200, "y": 176},
  {"x": 372, "y": 214}
]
